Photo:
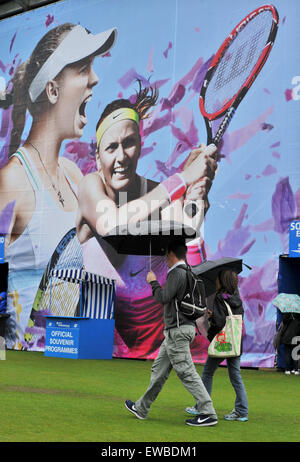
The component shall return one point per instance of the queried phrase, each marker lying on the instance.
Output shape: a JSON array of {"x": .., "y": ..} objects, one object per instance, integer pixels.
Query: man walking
[{"x": 175, "y": 351}]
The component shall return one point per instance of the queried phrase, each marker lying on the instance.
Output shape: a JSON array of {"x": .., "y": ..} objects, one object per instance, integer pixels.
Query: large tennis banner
[{"x": 100, "y": 125}]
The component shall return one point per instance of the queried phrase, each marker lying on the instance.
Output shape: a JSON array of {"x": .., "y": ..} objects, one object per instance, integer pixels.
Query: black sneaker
[
  {"x": 202, "y": 421},
  {"x": 130, "y": 406}
]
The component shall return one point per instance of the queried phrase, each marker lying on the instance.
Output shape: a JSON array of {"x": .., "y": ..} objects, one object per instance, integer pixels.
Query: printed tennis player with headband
[
  {"x": 119, "y": 142},
  {"x": 53, "y": 84},
  {"x": 175, "y": 185},
  {"x": 116, "y": 194}
]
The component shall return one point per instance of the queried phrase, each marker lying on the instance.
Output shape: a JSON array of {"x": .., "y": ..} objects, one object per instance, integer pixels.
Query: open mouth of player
[
  {"x": 82, "y": 107},
  {"x": 122, "y": 172}
]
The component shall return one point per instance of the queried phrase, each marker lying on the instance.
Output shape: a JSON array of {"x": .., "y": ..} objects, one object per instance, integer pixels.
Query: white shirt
[{"x": 180, "y": 262}]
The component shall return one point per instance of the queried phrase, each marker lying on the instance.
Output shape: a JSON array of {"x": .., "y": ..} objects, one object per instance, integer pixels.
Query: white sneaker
[
  {"x": 297, "y": 372},
  {"x": 287, "y": 372}
]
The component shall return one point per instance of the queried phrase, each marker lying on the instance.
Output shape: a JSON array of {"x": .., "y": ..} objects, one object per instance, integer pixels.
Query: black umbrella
[
  {"x": 210, "y": 269},
  {"x": 149, "y": 237}
]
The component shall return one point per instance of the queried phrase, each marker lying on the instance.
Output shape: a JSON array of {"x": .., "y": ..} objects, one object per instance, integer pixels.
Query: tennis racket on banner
[
  {"x": 235, "y": 67},
  {"x": 65, "y": 297},
  {"x": 233, "y": 70}
]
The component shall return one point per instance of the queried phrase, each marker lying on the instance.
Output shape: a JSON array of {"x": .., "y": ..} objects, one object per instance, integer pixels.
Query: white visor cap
[{"x": 77, "y": 45}]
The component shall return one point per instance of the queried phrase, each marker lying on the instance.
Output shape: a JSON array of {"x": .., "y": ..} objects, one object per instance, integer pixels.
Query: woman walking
[{"x": 227, "y": 290}]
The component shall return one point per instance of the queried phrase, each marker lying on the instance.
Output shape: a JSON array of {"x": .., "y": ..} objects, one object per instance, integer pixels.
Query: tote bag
[{"x": 227, "y": 343}]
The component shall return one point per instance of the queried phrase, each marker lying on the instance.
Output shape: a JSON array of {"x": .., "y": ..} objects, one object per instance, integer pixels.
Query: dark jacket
[
  {"x": 291, "y": 329},
  {"x": 219, "y": 312},
  {"x": 174, "y": 288}
]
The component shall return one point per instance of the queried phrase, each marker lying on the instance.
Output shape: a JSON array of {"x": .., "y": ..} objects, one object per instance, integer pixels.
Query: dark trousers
[{"x": 290, "y": 363}]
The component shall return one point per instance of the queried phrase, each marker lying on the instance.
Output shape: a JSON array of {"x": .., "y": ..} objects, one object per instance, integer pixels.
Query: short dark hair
[
  {"x": 178, "y": 247},
  {"x": 229, "y": 281}
]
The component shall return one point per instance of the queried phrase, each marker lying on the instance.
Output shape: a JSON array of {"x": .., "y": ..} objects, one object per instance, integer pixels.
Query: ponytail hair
[
  {"x": 145, "y": 99},
  {"x": 20, "y": 103}
]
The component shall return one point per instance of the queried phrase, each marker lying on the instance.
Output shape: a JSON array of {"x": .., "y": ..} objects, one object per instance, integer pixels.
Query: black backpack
[{"x": 193, "y": 304}]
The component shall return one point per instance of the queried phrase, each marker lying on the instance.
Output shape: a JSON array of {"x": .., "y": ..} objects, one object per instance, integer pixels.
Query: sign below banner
[
  {"x": 79, "y": 338},
  {"x": 2, "y": 244},
  {"x": 62, "y": 339},
  {"x": 294, "y": 239}
]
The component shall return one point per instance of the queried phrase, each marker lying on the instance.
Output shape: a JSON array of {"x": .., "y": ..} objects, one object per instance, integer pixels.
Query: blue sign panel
[
  {"x": 294, "y": 239},
  {"x": 62, "y": 338},
  {"x": 2, "y": 243},
  {"x": 79, "y": 338}
]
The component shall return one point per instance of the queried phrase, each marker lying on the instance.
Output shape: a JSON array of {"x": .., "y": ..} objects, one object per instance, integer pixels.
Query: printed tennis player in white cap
[{"x": 54, "y": 84}]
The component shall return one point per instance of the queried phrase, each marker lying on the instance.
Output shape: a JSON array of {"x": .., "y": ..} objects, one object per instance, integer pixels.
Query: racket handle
[{"x": 223, "y": 126}]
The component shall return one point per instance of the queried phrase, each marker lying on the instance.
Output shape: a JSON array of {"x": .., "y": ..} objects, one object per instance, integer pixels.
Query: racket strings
[
  {"x": 238, "y": 61},
  {"x": 239, "y": 69},
  {"x": 61, "y": 297}
]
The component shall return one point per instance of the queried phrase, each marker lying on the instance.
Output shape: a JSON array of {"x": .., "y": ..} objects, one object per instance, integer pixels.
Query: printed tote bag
[{"x": 227, "y": 343}]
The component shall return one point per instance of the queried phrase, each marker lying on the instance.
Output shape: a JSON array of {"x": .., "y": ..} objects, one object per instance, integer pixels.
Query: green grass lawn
[{"x": 46, "y": 399}]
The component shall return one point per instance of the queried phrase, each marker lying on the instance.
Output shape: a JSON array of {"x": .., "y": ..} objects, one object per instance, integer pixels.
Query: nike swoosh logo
[
  {"x": 131, "y": 274},
  {"x": 114, "y": 117},
  {"x": 202, "y": 420}
]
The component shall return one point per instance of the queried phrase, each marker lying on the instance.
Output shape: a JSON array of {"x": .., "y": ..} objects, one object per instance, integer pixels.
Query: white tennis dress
[{"x": 29, "y": 254}]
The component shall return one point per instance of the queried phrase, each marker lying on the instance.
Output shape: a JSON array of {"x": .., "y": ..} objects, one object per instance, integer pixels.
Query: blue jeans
[{"x": 234, "y": 372}]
